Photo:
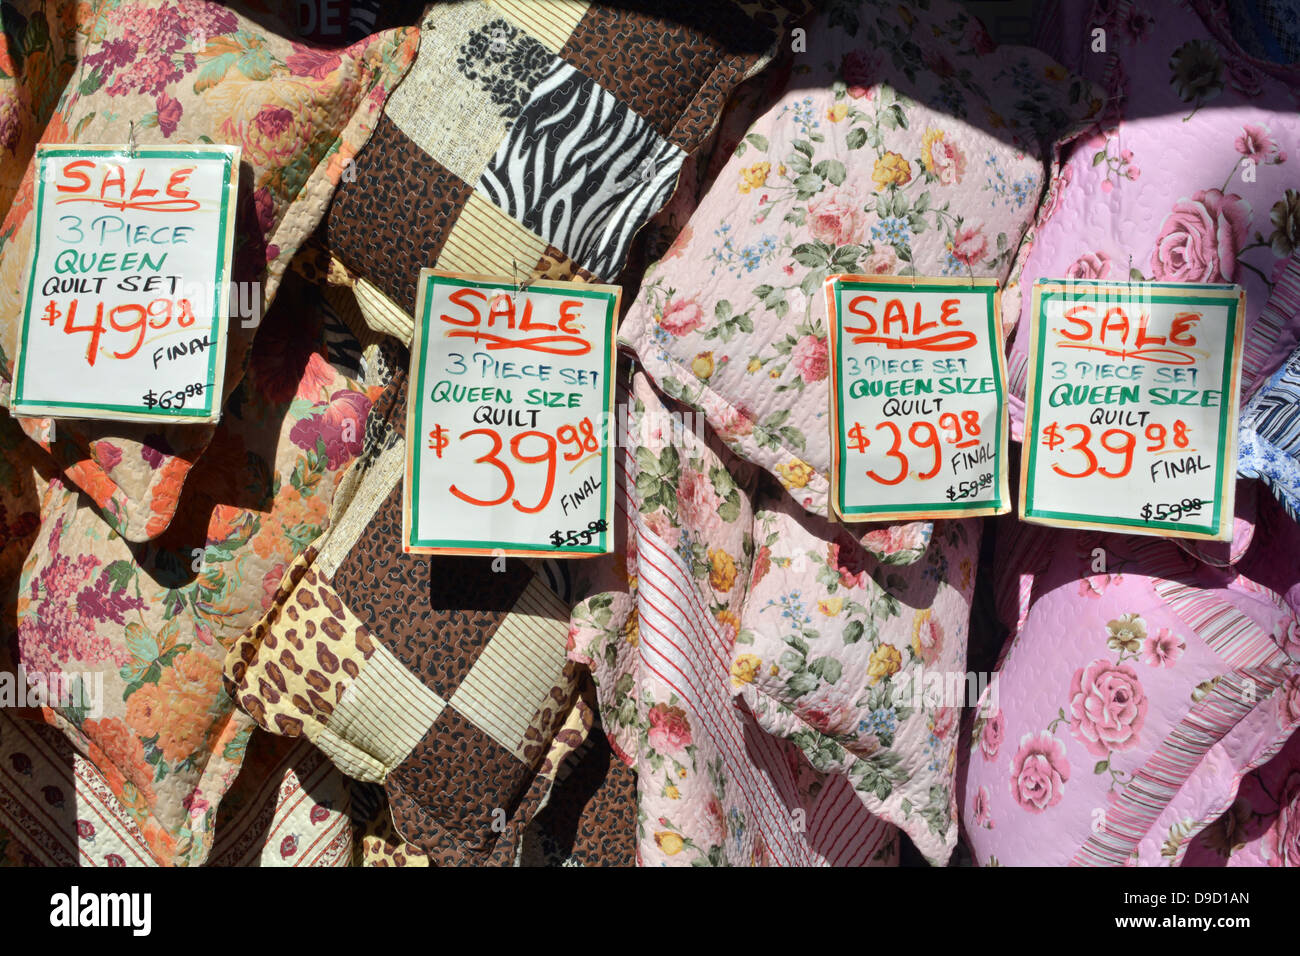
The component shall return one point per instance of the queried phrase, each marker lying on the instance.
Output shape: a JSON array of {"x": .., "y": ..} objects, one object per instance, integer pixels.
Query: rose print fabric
[
  {"x": 904, "y": 147},
  {"x": 158, "y": 621},
  {"x": 862, "y": 663},
  {"x": 298, "y": 113},
  {"x": 1190, "y": 175},
  {"x": 1262, "y": 827},
  {"x": 686, "y": 655},
  {"x": 1130, "y": 701}
]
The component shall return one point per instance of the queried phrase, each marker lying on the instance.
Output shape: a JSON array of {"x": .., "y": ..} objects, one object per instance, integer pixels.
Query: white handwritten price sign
[
  {"x": 127, "y": 285},
  {"x": 918, "y": 398},
  {"x": 1131, "y": 410},
  {"x": 508, "y": 418}
]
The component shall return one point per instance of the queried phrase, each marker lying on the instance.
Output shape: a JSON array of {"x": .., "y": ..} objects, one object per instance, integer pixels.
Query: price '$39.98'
[
  {"x": 924, "y": 437},
  {"x": 1118, "y": 444},
  {"x": 573, "y": 443}
]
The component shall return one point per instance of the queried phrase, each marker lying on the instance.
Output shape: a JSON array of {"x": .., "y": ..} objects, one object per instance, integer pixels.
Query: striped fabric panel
[
  {"x": 1233, "y": 635},
  {"x": 313, "y": 783},
  {"x": 551, "y": 22},
  {"x": 46, "y": 831},
  {"x": 516, "y": 670},
  {"x": 386, "y": 710},
  {"x": 681, "y": 648},
  {"x": 1279, "y": 312},
  {"x": 1157, "y": 557},
  {"x": 1133, "y": 814},
  {"x": 383, "y": 314},
  {"x": 485, "y": 241},
  {"x": 375, "y": 486}
]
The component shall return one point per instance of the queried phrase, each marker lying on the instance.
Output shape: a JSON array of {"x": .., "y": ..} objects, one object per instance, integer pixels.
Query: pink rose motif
[
  {"x": 681, "y": 316},
  {"x": 669, "y": 728},
  {"x": 834, "y": 719},
  {"x": 1200, "y": 238},
  {"x": 288, "y": 847},
  {"x": 929, "y": 638},
  {"x": 341, "y": 427},
  {"x": 662, "y": 527},
  {"x": 969, "y": 245},
  {"x": 882, "y": 262},
  {"x": 944, "y": 721},
  {"x": 736, "y": 423},
  {"x": 271, "y": 584},
  {"x": 1163, "y": 648},
  {"x": 1288, "y": 638},
  {"x": 811, "y": 358},
  {"x": 169, "y": 113},
  {"x": 847, "y": 558},
  {"x": 264, "y": 205},
  {"x": 697, "y": 504},
  {"x": 1244, "y": 78},
  {"x": 319, "y": 814},
  {"x": 1095, "y": 585},
  {"x": 1283, "y": 839},
  {"x": 894, "y": 539},
  {"x": 947, "y": 161},
  {"x": 836, "y": 216},
  {"x": 85, "y": 830},
  {"x": 1288, "y": 701},
  {"x": 992, "y": 734},
  {"x": 1257, "y": 145},
  {"x": 861, "y": 72},
  {"x": 1039, "y": 772},
  {"x": 1090, "y": 265},
  {"x": 107, "y": 455},
  {"x": 114, "y": 859},
  {"x": 980, "y": 806},
  {"x": 1107, "y": 707}
]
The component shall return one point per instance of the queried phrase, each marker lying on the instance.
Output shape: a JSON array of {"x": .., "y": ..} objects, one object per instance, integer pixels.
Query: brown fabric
[
  {"x": 396, "y": 225},
  {"x": 638, "y": 79}
]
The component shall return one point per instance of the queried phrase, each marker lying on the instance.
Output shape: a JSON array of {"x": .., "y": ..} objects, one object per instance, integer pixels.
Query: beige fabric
[
  {"x": 353, "y": 515},
  {"x": 551, "y": 22},
  {"x": 485, "y": 241},
  {"x": 383, "y": 314},
  {"x": 448, "y": 115},
  {"x": 517, "y": 668},
  {"x": 386, "y": 710}
]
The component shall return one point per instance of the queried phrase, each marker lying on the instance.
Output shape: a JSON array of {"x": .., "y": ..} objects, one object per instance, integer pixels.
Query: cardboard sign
[
  {"x": 918, "y": 398},
  {"x": 1131, "y": 407},
  {"x": 125, "y": 314},
  {"x": 508, "y": 418}
]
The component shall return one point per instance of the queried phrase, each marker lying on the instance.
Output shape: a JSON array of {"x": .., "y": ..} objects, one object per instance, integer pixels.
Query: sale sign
[
  {"x": 918, "y": 398},
  {"x": 508, "y": 418},
  {"x": 127, "y": 285},
  {"x": 1131, "y": 407}
]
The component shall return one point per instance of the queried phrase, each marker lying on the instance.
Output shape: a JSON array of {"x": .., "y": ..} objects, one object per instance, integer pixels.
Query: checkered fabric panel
[{"x": 537, "y": 138}]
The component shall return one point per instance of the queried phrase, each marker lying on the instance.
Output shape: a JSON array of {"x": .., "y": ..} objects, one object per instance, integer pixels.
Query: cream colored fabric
[
  {"x": 517, "y": 668},
  {"x": 550, "y": 21}
]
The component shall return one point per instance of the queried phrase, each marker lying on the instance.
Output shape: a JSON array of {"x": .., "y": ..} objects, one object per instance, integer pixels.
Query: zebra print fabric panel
[{"x": 581, "y": 170}]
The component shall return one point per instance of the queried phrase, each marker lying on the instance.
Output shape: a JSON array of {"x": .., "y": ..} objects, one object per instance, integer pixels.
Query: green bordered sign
[
  {"x": 127, "y": 283},
  {"x": 1131, "y": 410},
  {"x": 918, "y": 398},
  {"x": 509, "y": 418}
]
